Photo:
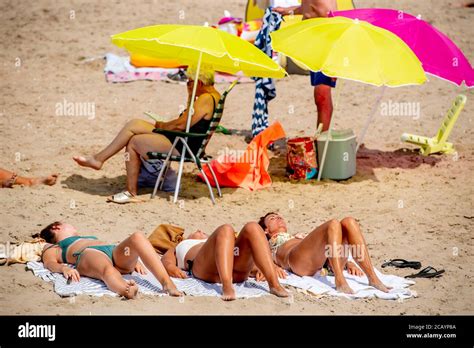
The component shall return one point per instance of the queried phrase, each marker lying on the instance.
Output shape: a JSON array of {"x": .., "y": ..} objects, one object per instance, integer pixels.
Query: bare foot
[
  {"x": 228, "y": 293},
  {"x": 132, "y": 289},
  {"x": 50, "y": 180},
  {"x": 89, "y": 162},
  {"x": 172, "y": 290},
  {"x": 279, "y": 291},
  {"x": 380, "y": 286},
  {"x": 344, "y": 287}
]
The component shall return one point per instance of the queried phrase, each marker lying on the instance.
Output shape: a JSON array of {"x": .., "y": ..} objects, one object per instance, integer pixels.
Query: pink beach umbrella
[{"x": 439, "y": 55}]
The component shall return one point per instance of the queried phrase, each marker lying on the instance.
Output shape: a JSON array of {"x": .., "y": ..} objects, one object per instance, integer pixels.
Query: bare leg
[
  {"x": 252, "y": 246},
  {"x": 360, "y": 253},
  {"x": 214, "y": 261},
  {"x": 6, "y": 179},
  {"x": 95, "y": 264},
  {"x": 137, "y": 245},
  {"x": 132, "y": 165},
  {"x": 130, "y": 129},
  {"x": 323, "y": 101},
  {"x": 309, "y": 256},
  {"x": 139, "y": 146}
]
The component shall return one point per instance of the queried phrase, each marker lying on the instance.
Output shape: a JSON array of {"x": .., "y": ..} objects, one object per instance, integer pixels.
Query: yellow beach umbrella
[
  {"x": 350, "y": 49},
  {"x": 197, "y": 45},
  {"x": 186, "y": 44}
]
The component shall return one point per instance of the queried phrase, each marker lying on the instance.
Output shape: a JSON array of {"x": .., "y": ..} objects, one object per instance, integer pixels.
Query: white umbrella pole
[
  {"x": 193, "y": 95},
  {"x": 323, "y": 158},
  {"x": 188, "y": 126},
  {"x": 369, "y": 119}
]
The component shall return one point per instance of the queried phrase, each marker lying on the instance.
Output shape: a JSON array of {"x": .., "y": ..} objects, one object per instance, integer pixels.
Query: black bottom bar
[{"x": 218, "y": 330}]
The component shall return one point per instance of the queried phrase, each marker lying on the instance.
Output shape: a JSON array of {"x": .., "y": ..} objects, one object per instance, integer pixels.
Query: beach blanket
[
  {"x": 264, "y": 87},
  {"x": 325, "y": 286},
  {"x": 119, "y": 69},
  {"x": 250, "y": 169},
  {"x": 148, "y": 285}
]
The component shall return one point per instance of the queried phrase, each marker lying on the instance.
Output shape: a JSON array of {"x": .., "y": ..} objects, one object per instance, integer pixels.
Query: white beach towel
[
  {"x": 325, "y": 285},
  {"x": 148, "y": 285}
]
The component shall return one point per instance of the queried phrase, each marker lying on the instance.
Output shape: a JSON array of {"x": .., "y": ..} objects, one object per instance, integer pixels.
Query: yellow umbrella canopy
[
  {"x": 350, "y": 49},
  {"x": 186, "y": 43}
]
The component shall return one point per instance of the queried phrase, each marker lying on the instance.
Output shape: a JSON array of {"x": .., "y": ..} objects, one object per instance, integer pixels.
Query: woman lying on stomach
[
  {"x": 304, "y": 255},
  {"x": 96, "y": 259},
  {"x": 223, "y": 258}
]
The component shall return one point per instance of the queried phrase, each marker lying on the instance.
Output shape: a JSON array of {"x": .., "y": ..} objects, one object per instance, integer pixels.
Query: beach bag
[
  {"x": 165, "y": 237},
  {"x": 301, "y": 158},
  {"x": 149, "y": 171}
]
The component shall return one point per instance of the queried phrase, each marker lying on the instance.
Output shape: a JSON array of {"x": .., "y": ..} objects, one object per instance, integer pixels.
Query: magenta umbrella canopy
[{"x": 438, "y": 54}]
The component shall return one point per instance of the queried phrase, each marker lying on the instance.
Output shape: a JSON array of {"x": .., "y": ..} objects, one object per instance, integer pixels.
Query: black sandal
[
  {"x": 401, "y": 263},
  {"x": 428, "y": 272}
]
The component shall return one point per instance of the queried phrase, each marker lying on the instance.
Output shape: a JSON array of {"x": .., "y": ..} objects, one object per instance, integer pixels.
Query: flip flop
[
  {"x": 401, "y": 263},
  {"x": 428, "y": 272},
  {"x": 123, "y": 198}
]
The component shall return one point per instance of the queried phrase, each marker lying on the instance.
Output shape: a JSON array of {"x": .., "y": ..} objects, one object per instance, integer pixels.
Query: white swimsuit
[{"x": 182, "y": 249}]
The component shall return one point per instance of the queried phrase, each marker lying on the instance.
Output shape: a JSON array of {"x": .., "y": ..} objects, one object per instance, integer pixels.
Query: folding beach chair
[
  {"x": 439, "y": 143},
  {"x": 198, "y": 158}
]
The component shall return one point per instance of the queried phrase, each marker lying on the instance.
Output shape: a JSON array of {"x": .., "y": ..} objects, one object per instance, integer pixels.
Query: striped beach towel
[{"x": 264, "y": 87}]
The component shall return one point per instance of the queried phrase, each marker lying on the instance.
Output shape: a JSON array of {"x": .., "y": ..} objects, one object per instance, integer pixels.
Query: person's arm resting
[
  {"x": 169, "y": 261},
  {"x": 179, "y": 124}
]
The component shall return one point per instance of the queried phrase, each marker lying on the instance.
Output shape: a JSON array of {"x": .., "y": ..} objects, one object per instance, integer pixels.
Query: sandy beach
[{"x": 409, "y": 206}]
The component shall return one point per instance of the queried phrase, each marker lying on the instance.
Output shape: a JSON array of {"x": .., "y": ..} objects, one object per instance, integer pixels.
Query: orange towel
[{"x": 249, "y": 170}]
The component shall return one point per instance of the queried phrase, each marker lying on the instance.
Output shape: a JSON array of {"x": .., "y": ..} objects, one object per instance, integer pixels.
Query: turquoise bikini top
[{"x": 66, "y": 243}]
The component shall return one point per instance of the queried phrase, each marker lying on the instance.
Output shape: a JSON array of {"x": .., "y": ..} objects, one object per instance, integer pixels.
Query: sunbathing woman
[
  {"x": 138, "y": 138},
  {"x": 99, "y": 260},
  {"x": 305, "y": 255},
  {"x": 223, "y": 258},
  {"x": 8, "y": 179}
]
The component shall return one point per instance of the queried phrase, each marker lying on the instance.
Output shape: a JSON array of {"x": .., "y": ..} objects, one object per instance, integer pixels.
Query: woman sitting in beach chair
[
  {"x": 306, "y": 254},
  {"x": 99, "y": 260},
  {"x": 138, "y": 138},
  {"x": 224, "y": 258}
]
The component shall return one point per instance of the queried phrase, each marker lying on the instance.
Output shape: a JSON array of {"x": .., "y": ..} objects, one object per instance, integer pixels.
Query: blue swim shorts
[{"x": 318, "y": 78}]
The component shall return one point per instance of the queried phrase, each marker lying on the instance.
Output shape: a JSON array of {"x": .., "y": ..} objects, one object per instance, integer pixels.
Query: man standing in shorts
[{"x": 322, "y": 83}]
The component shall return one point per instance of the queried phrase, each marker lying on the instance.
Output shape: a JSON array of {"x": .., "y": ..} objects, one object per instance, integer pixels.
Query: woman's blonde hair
[{"x": 206, "y": 74}]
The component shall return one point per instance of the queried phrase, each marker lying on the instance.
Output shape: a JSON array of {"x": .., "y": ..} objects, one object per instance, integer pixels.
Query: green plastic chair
[{"x": 439, "y": 142}]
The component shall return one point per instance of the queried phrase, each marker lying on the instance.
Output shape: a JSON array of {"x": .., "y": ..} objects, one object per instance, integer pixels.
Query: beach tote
[
  {"x": 165, "y": 237},
  {"x": 301, "y": 158}
]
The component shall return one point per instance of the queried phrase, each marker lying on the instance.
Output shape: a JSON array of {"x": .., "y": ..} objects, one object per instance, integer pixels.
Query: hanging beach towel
[{"x": 264, "y": 87}]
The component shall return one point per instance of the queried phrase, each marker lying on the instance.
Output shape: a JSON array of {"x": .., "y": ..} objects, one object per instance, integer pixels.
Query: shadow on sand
[
  {"x": 191, "y": 187},
  {"x": 367, "y": 161}
]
